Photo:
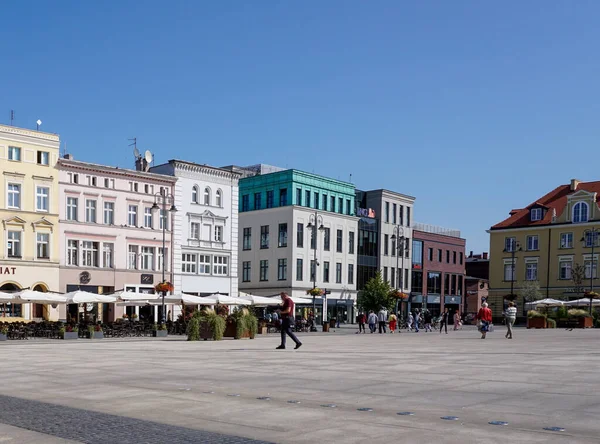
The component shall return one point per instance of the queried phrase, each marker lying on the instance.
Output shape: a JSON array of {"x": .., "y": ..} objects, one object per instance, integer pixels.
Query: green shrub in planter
[
  {"x": 215, "y": 322},
  {"x": 535, "y": 314},
  {"x": 578, "y": 313},
  {"x": 551, "y": 323}
]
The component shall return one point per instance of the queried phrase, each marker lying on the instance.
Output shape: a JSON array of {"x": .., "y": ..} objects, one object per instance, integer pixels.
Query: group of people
[{"x": 382, "y": 320}]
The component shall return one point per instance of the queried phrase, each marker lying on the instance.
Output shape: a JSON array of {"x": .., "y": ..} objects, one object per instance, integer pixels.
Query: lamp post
[
  {"x": 398, "y": 236},
  {"x": 589, "y": 239},
  {"x": 164, "y": 199},
  {"x": 514, "y": 247},
  {"x": 315, "y": 223}
]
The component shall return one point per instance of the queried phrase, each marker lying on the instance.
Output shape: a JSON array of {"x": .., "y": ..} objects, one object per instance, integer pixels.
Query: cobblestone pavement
[{"x": 78, "y": 425}]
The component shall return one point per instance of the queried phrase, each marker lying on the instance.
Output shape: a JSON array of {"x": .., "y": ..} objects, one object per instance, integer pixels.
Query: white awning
[{"x": 85, "y": 297}]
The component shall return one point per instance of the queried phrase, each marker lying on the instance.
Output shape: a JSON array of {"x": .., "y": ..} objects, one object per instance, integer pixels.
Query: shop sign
[
  {"x": 147, "y": 279},
  {"x": 433, "y": 299},
  {"x": 85, "y": 277},
  {"x": 365, "y": 212},
  {"x": 452, "y": 300},
  {"x": 7, "y": 270}
]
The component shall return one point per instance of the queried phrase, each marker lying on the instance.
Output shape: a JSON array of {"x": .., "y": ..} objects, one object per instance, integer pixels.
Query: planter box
[
  {"x": 262, "y": 330},
  {"x": 69, "y": 335},
  {"x": 96, "y": 335},
  {"x": 160, "y": 333},
  {"x": 3, "y": 337},
  {"x": 325, "y": 326},
  {"x": 230, "y": 331},
  {"x": 586, "y": 322},
  {"x": 536, "y": 322}
]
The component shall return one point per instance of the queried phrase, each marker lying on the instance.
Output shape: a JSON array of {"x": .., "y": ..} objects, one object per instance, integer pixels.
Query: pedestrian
[
  {"x": 287, "y": 322},
  {"x": 485, "y": 317},
  {"x": 427, "y": 317},
  {"x": 456, "y": 320},
  {"x": 417, "y": 319},
  {"x": 511, "y": 317},
  {"x": 372, "y": 320},
  {"x": 409, "y": 321},
  {"x": 382, "y": 317},
  {"x": 444, "y": 320},
  {"x": 393, "y": 320},
  {"x": 361, "y": 319}
]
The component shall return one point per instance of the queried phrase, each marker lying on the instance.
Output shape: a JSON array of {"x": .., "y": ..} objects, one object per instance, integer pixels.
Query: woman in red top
[{"x": 485, "y": 316}]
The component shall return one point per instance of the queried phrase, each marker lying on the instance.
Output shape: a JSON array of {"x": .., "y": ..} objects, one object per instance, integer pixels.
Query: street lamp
[
  {"x": 590, "y": 239},
  {"x": 164, "y": 199},
  {"x": 315, "y": 223},
  {"x": 398, "y": 236}
]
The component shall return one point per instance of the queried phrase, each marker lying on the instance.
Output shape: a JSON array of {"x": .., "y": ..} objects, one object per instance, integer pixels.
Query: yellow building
[
  {"x": 544, "y": 242},
  {"x": 29, "y": 255}
]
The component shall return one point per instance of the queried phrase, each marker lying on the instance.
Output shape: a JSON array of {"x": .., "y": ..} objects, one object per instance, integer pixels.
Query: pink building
[{"x": 110, "y": 238}]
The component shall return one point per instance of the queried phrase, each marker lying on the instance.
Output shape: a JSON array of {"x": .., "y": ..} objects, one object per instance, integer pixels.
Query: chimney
[
  {"x": 471, "y": 253},
  {"x": 485, "y": 255},
  {"x": 574, "y": 184},
  {"x": 68, "y": 156}
]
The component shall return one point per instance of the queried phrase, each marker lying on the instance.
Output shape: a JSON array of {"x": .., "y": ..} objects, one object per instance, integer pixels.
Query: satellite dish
[
  {"x": 136, "y": 152},
  {"x": 148, "y": 156},
  {"x": 39, "y": 122}
]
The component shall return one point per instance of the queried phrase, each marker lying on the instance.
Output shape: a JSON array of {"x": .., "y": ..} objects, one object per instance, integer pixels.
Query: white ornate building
[{"x": 205, "y": 234}]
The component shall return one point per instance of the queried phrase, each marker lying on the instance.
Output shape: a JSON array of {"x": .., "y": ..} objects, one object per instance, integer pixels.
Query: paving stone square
[{"x": 350, "y": 389}]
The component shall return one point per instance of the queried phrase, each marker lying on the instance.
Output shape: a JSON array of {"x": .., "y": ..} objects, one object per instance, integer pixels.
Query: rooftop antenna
[
  {"x": 39, "y": 122},
  {"x": 350, "y": 177},
  {"x": 148, "y": 157},
  {"x": 136, "y": 152},
  {"x": 12, "y": 116}
]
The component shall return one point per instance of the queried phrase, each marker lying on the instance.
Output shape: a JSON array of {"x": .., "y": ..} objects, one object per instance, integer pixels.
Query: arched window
[
  {"x": 195, "y": 194},
  {"x": 219, "y": 198},
  {"x": 580, "y": 212},
  {"x": 206, "y": 196}
]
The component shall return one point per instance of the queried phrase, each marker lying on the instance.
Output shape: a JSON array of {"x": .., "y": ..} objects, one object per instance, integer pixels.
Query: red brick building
[{"x": 438, "y": 269}]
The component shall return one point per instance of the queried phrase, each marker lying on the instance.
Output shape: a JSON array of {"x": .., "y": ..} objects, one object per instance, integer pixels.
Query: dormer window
[
  {"x": 580, "y": 212},
  {"x": 536, "y": 214}
]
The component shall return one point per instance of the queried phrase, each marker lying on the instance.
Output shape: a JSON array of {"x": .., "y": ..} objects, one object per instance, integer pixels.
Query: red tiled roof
[{"x": 555, "y": 200}]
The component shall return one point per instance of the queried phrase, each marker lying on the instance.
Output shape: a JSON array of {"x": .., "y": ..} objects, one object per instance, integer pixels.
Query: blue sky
[{"x": 472, "y": 107}]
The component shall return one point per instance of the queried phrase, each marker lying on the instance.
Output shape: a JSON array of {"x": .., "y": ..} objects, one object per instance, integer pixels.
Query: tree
[
  {"x": 530, "y": 291},
  {"x": 577, "y": 276},
  {"x": 376, "y": 295}
]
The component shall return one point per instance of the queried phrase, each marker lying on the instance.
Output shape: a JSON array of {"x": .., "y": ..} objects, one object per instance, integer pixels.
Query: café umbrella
[
  {"x": 259, "y": 300},
  {"x": 85, "y": 297},
  {"x": 221, "y": 299},
  {"x": 188, "y": 299},
  {"x": 128, "y": 295},
  {"x": 39, "y": 297}
]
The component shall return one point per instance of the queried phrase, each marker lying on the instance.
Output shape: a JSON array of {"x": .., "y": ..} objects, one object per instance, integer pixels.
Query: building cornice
[
  {"x": 67, "y": 164},
  {"x": 13, "y": 130},
  {"x": 543, "y": 226},
  {"x": 191, "y": 167}
]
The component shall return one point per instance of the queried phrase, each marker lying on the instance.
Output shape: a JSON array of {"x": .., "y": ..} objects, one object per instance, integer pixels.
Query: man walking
[
  {"x": 444, "y": 320},
  {"x": 382, "y": 316},
  {"x": 417, "y": 319},
  {"x": 361, "y": 322},
  {"x": 427, "y": 318},
  {"x": 372, "y": 321},
  {"x": 287, "y": 322}
]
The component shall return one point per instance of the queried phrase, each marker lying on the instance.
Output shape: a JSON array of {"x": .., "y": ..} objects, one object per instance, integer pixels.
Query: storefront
[
  {"x": 453, "y": 303},
  {"x": 341, "y": 310},
  {"x": 415, "y": 301},
  {"x": 433, "y": 304}
]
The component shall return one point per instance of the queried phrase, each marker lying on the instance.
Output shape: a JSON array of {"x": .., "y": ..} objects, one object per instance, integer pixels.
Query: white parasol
[
  {"x": 222, "y": 299},
  {"x": 85, "y": 297},
  {"x": 39, "y": 297}
]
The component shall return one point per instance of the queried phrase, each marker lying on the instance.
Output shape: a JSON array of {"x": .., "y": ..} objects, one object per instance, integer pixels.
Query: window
[
  {"x": 72, "y": 253},
  {"x": 338, "y": 273},
  {"x": 14, "y": 244},
  {"x": 220, "y": 265},
  {"x": 135, "y": 187},
  {"x": 109, "y": 213},
  {"x": 393, "y": 246},
  {"x": 132, "y": 215},
  {"x": 591, "y": 267},
  {"x": 43, "y": 158},
  {"x": 508, "y": 272},
  {"x": 313, "y": 238},
  {"x": 408, "y": 216},
  {"x": 299, "y": 269},
  {"x": 163, "y": 222},
  {"x": 324, "y": 202},
  {"x": 42, "y": 195},
  {"x": 401, "y": 215},
  {"x": 566, "y": 240},
  {"x": 325, "y": 271},
  {"x": 148, "y": 258},
  {"x": 90, "y": 211},
  {"x": 307, "y": 198},
  {"x": 430, "y": 254},
  {"x": 300, "y": 235},
  {"x": 148, "y": 217},
  {"x": 393, "y": 276},
  {"x": 188, "y": 263},
  {"x": 298, "y": 196},
  {"x": 454, "y": 257},
  {"x": 447, "y": 256},
  {"x": 417, "y": 257},
  {"x": 333, "y": 204},
  {"x": 313, "y": 270},
  {"x": 43, "y": 245},
  {"x": 394, "y": 213},
  {"x": 264, "y": 270},
  {"x": 14, "y": 195},
  {"x": 282, "y": 235},
  {"x": 327, "y": 239},
  {"x": 14, "y": 153},
  {"x": 219, "y": 198},
  {"x": 386, "y": 241},
  {"x": 434, "y": 283},
  {"x": 89, "y": 252},
  {"x": 257, "y": 201},
  {"x": 340, "y": 241},
  {"x": 246, "y": 271},
  {"x": 106, "y": 183},
  {"x": 566, "y": 267},
  {"x": 350, "y": 273},
  {"x": 163, "y": 257},
  {"x": 439, "y": 255},
  {"x": 591, "y": 239},
  {"x": 281, "y": 269},
  {"x": 580, "y": 212},
  {"x": 316, "y": 200},
  {"x": 536, "y": 214},
  {"x": 195, "y": 230},
  {"x": 74, "y": 178},
  {"x": 341, "y": 205},
  {"x": 348, "y": 207},
  {"x": 194, "y": 194},
  {"x": 532, "y": 243},
  {"x": 218, "y": 233},
  {"x": 132, "y": 257},
  {"x": 206, "y": 196},
  {"x": 283, "y": 197},
  {"x": 509, "y": 244},
  {"x": 461, "y": 258},
  {"x": 146, "y": 188},
  {"x": 264, "y": 236},
  {"x": 351, "y": 242},
  {"x": 270, "y": 199},
  {"x": 204, "y": 264},
  {"x": 247, "y": 239},
  {"x": 446, "y": 284},
  {"x": 531, "y": 271},
  {"x": 385, "y": 274},
  {"x": 108, "y": 254},
  {"x": 71, "y": 208},
  {"x": 246, "y": 202}
]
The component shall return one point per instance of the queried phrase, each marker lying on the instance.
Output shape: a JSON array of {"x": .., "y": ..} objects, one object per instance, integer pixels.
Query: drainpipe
[{"x": 548, "y": 267}]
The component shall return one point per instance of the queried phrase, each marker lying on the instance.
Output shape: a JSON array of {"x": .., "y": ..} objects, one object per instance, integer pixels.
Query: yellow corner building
[
  {"x": 29, "y": 255},
  {"x": 544, "y": 242}
]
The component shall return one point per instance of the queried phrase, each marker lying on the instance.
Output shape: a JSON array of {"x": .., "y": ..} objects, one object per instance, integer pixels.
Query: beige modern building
[{"x": 29, "y": 255}]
